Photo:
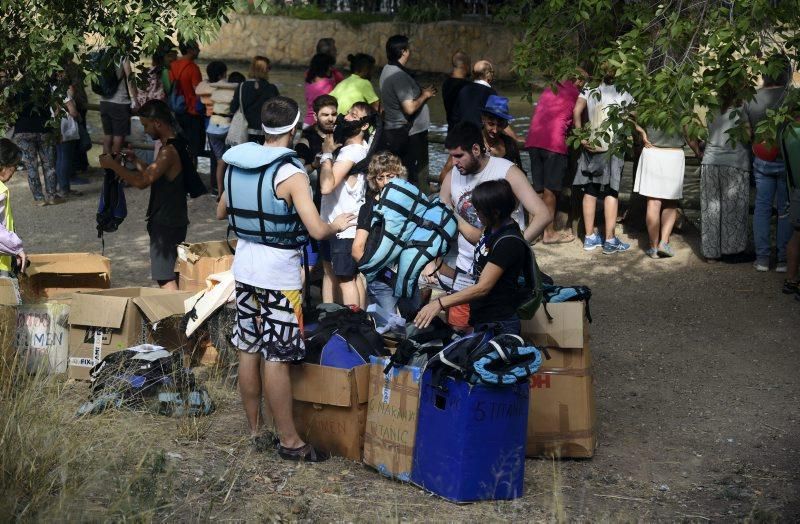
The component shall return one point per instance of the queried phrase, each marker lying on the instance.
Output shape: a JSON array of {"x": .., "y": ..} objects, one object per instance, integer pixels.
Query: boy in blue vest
[{"x": 272, "y": 220}]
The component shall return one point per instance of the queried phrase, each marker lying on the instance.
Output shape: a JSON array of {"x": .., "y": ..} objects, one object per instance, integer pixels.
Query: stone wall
[{"x": 289, "y": 41}]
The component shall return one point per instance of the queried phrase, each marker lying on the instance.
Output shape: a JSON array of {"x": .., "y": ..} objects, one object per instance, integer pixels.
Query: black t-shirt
[
  {"x": 469, "y": 103},
  {"x": 509, "y": 254},
  {"x": 314, "y": 147},
  {"x": 254, "y": 94},
  {"x": 450, "y": 90},
  {"x": 365, "y": 214}
]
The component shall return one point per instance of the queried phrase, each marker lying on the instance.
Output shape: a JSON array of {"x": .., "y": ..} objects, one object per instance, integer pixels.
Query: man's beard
[
  {"x": 471, "y": 168},
  {"x": 326, "y": 130}
]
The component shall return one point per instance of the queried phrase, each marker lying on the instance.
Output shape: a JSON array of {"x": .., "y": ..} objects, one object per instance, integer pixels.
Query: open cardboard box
[
  {"x": 561, "y": 417},
  {"x": 59, "y": 275},
  {"x": 199, "y": 260},
  {"x": 8, "y": 324},
  {"x": 330, "y": 407},
  {"x": 104, "y": 322}
]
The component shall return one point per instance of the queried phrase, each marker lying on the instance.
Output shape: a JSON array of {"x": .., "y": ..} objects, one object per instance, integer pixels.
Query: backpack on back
[
  {"x": 529, "y": 294},
  {"x": 107, "y": 81},
  {"x": 192, "y": 182},
  {"x": 112, "y": 209}
]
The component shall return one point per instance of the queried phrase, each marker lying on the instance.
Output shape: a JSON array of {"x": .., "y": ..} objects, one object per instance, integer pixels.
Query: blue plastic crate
[{"x": 470, "y": 441}]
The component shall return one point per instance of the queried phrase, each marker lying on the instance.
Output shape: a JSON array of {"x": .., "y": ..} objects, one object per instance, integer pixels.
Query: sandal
[
  {"x": 305, "y": 453},
  {"x": 790, "y": 287}
]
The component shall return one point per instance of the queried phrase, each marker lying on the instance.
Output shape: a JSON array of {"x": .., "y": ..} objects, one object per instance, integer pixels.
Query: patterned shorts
[{"x": 269, "y": 322}]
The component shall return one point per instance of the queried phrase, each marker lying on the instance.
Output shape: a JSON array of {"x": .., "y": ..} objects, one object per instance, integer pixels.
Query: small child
[{"x": 10, "y": 243}]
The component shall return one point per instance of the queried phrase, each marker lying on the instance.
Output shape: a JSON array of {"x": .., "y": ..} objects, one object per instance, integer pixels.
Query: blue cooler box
[{"x": 471, "y": 440}]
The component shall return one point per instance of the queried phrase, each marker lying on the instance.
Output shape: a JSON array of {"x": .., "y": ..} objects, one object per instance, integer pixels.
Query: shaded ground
[{"x": 695, "y": 378}]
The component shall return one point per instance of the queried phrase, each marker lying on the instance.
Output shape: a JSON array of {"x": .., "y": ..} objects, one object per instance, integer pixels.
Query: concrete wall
[{"x": 289, "y": 41}]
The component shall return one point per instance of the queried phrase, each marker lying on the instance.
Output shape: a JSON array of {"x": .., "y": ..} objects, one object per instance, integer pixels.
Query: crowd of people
[{"x": 301, "y": 189}]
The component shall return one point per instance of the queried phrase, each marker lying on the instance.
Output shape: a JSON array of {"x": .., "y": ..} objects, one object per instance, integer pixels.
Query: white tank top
[{"x": 461, "y": 187}]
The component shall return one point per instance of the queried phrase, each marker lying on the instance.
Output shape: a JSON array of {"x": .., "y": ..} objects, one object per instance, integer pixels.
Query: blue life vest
[
  {"x": 407, "y": 229},
  {"x": 255, "y": 212}
]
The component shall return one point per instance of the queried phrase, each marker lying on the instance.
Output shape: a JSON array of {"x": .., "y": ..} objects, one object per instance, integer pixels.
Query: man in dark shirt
[
  {"x": 472, "y": 97},
  {"x": 309, "y": 146},
  {"x": 459, "y": 77}
]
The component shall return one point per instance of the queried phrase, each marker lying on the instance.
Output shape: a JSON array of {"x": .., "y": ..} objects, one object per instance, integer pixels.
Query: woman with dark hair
[
  {"x": 319, "y": 81},
  {"x": 498, "y": 263},
  {"x": 357, "y": 87}
]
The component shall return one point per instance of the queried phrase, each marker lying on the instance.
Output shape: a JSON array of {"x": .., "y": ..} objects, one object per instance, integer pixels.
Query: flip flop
[
  {"x": 305, "y": 453},
  {"x": 563, "y": 238}
]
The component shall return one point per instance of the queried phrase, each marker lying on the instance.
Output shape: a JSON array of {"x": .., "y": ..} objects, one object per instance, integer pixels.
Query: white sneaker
[
  {"x": 760, "y": 267},
  {"x": 781, "y": 267}
]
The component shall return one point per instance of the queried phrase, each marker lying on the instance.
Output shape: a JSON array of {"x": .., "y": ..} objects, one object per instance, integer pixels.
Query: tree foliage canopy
[
  {"x": 676, "y": 57},
  {"x": 40, "y": 36}
]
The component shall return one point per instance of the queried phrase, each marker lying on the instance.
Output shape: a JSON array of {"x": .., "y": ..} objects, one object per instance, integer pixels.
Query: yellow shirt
[
  {"x": 351, "y": 90},
  {"x": 7, "y": 219}
]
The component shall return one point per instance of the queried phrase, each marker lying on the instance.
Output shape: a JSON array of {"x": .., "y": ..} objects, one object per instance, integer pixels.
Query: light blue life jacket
[
  {"x": 407, "y": 229},
  {"x": 255, "y": 212}
]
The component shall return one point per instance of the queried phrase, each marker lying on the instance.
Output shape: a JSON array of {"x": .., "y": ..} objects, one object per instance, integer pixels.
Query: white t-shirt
[
  {"x": 598, "y": 109},
  {"x": 461, "y": 187},
  {"x": 349, "y": 196},
  {"x": 269, "y": 267}
]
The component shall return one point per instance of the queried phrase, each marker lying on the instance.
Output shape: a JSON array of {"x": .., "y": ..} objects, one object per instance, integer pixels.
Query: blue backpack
[{"x": 112, "y": 209}]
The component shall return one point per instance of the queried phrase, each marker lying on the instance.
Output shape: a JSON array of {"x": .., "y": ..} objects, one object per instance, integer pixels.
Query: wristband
[
  {"x": 325, "y": 156},
  {"x": 439, "y": 300}
]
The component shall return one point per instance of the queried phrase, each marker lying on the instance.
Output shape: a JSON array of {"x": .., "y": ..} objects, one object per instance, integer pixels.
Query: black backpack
[
  {"x": 354, "y": 325},
  {"x": 192, "y": 183},
  {"x": 104, "y": 63},
  {"x": 112, "y": 209}
]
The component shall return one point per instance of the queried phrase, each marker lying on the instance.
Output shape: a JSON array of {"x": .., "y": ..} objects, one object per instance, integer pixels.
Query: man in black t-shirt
[
  {"x": 309, "y": 146},
  {"x": 459, "y": 77},
  {"x": 472, "y": 97}
]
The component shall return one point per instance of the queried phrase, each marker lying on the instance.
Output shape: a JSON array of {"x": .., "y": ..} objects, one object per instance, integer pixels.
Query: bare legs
[
  {"x": 660, "y": 218},
  {"x": 112, "y": 144},
  {"x": 278, "y": 394},
  {"x": 250, "y": 389},
  {"x": 610, "y": 208},
  {"x": 353, "y": 291}
]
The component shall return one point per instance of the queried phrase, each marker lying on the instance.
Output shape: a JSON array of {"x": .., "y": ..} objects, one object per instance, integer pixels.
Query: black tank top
[{"x": 167, "y": 206}]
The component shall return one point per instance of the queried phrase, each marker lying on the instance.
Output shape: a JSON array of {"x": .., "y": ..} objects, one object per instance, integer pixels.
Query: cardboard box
[
  {"x": 198, "y": 261},
  {"x": 330, "y": 407},
  {"x": 561, "y": 421},
  {"x": 59, "y": 275},
  {"x": 392, "y": 412},
  {"x": 8, "y": 323},
  {"x": 104, "y": 322}
]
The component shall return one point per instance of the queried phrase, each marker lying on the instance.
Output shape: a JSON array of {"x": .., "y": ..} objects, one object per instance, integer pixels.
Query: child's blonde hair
[{"x": 381, "y": 163}]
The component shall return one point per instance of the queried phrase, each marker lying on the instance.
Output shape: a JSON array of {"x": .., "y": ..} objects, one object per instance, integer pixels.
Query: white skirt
[{"x": 660, "y": 173}]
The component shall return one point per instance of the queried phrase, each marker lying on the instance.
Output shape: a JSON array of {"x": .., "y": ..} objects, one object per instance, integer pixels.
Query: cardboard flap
[
  {"x": 160, "y": 306},
  {"x": 324, "y": 385},
  {"x": 568, "y": 329},
  {"x": 8, "y": 296},
  {"x": 97, "y": 310},
  {"x": 362, "y": 383},
  {"x": 68, "y": 264}
]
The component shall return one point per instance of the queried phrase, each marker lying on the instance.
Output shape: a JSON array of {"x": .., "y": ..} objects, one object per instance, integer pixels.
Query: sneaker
[
  {"x": 665, "y": 250},
  {"x": 790, "y": 287},
  {"x": 614, "y": 245},
  {"x": 592, "y": 242},
  {"x": 760, "y": 266},
  {"x": 652, "y": 252},
  {"x": 781, "y": 267}
]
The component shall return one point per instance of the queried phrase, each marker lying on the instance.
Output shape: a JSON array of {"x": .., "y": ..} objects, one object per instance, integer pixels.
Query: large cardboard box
[
  {"x": 42, "y": 337},
  {"x": 561, "y": 421},
  {"x": 392, "y": 411},
  {"x": 104, "y": 322},
  {"x": 59, "y": 275},
  {"x": 198, "y": 261},
  {"x": 8, "y": 324},
  {"x": 330, "y": 407}
]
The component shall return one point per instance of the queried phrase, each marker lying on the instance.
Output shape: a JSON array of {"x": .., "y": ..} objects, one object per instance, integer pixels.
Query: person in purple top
[{"x": 547, "y": 146}]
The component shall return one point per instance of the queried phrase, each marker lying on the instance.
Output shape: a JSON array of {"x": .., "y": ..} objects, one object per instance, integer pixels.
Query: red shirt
[
  {"x": 185, "y": 75},
  {"x": 553, "y": 118}
]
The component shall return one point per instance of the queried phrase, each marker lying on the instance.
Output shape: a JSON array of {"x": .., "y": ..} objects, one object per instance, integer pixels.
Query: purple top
[{"x": 552, "y": 118}]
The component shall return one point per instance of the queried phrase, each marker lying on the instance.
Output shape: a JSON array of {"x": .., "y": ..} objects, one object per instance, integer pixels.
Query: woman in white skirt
[{"x": 659, "y": 177}]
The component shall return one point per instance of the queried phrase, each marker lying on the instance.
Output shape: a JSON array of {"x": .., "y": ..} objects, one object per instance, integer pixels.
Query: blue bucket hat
[{"x": 497, "y": 106}]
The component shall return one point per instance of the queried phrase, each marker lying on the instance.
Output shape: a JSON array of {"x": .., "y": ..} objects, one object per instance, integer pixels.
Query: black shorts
[
  {"x": 341, "y": 257},
  {"x": 597, "y": 191},
  {"x": 115, "y": 118},
  {"x": 164, "y": 242},
  {"x": 548, "y": 169}
]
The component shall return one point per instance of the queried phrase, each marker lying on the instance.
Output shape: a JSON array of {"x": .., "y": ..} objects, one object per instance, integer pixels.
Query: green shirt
[{"x": 351, "y": 90}]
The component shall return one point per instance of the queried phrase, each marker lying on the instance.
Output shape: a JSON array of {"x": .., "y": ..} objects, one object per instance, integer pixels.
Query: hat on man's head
[{"x": 497, "y": 106}]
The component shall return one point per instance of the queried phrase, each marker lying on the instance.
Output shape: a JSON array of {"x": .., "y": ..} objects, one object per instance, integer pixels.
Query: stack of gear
[
  {"x": 408, "y": 230},
  {"x": 343, "y": 337},
  {"x": 149, "y": 378},
  {"x": 553, "y": 294},
  {"x": 481, "y": 358},
  {"x": 419, "y": 345}
]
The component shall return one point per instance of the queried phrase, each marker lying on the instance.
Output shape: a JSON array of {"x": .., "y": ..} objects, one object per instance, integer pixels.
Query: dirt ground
[{"x": 696, "y": 382}]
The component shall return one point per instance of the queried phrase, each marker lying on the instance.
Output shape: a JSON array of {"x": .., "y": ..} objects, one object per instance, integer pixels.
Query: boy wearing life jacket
[
  {"x": 10, "y": 243},
  {"x": 472, "y": 165},
  {"x": 269, "y": 207}
]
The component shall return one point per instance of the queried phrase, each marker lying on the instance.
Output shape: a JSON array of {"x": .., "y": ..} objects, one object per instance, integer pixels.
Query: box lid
[
  {"x": 158, "y": 306},
  {"x": 68, "y": 264},
  {"x": 98, "y": 310}
]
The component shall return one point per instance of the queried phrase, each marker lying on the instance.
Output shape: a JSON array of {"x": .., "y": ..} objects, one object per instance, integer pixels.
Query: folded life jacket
[
  {"x": 255, "y": 212},
  {"x": 407, "y": 229},
  {"x": 112, "y": 208},
  {"x": 342, "y": 334},
  {"x": 554, "y": 294}
]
